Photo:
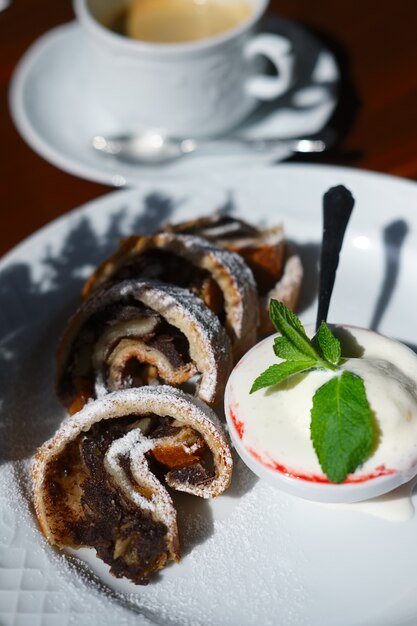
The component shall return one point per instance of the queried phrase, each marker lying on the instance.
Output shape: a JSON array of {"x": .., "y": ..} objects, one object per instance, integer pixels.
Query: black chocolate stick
[{"x": 337, "y": 207}]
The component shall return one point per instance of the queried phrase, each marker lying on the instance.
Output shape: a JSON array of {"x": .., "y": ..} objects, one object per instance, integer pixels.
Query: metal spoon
[
  {"x": 152, "y": 147},
  {"x": 337, "y": 207}
]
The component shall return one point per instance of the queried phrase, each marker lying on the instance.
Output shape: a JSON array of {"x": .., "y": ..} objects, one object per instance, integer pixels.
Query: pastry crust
[
  {"x": 286, "y": 289},
  {"x": 275, "y": 265},
  {"x": 218, "y": 276},
  {"x": 94, "y": 484},
  {"x": 141, "y": 332}
]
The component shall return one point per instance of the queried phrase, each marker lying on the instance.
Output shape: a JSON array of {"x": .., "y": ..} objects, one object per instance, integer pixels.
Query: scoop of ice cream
[{"x": 272, "y": 426}]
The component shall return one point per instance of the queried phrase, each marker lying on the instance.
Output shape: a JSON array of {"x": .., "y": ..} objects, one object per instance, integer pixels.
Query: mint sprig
[
  {"x": 299, "y": 353},
  {"x": 342, "y": 425}
]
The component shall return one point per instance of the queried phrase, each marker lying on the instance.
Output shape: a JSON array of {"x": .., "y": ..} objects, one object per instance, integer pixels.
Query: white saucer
[{"x": 56, "y": 111}]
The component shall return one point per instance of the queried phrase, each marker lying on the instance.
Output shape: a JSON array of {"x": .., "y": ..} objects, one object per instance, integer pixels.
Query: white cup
[{"x": 202, "y": 87}]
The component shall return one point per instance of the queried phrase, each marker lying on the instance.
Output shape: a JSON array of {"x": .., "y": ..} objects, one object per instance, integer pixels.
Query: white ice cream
[{"x": 274, "y": 426}]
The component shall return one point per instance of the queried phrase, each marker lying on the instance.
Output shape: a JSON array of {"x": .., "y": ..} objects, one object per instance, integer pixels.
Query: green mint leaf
[
  {"x": 286, "y": 350},
  {"x": 328, "y": 344},
  {"x": 290, "y": 327},
  {"x": 342, "y": 426},
  {"x": 278, "y": 372}
]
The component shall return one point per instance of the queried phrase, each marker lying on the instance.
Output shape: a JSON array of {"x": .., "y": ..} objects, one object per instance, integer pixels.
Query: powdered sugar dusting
[
  {"x": 209, "y": 344},
  {"x": 228, "y": 270},
  {"x": 227, "y": 546},
  {"x": 234, "y": 277},
  {"x": 133, "y": 441},
  {"x": 243, "y": 565},
  {"x": 134, "y": 445},
  {"x": 162, "y": 400}
]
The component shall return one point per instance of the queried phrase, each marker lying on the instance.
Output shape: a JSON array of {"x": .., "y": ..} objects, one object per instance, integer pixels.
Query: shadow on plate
[
  {"x": 394, "y": 235},
  {"x": 34, "y": 316},
  {"x": 319, "y": 86},
  {"x": 348, "y": 105},
  {"x": 37, "y": 309}
]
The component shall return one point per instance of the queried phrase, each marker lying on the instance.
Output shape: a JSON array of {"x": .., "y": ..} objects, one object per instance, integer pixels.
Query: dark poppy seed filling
[
  {"x": 218, "y": 277},
  {"x": 104, "y": 479},
  {"x": 166, "y": 336},
  {"x": 94, "y": 511},
  {"x": 119, "y": 323},
  {"x": 169, "y": 267}
]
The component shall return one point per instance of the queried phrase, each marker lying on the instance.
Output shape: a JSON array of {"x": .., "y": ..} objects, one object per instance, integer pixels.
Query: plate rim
[{"x": 318, "y": 169}]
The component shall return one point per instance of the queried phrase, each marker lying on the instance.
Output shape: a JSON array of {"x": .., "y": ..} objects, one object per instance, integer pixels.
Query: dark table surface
[{"x": 374, "y": 42}]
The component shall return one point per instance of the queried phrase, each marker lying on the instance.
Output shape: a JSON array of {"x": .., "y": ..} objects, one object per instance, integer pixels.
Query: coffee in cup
[
  {"x": 178, "y": 21},
  {"x": 155, "y": 63}
]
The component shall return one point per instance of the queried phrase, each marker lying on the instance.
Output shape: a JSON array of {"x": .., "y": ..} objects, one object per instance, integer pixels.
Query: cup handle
[{"x": 278, "y": 50}]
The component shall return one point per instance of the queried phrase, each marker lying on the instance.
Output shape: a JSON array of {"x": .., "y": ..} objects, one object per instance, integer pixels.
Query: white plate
[
  {"x": 255, "y": 555},
  {"x": 57, "y": 112}
]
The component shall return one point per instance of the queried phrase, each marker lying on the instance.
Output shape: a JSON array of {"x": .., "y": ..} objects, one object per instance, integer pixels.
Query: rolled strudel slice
[
  {"x": 141, "y": 332},
  {"x": 220, "y": 278},
  {"x": 96, "y": 485},
  {"x": 276, "y": 267}
]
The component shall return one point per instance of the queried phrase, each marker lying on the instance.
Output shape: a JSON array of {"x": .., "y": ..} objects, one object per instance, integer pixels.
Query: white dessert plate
[
  {"x": 56, "y": 111},
  {"x": 255, "y": 555}
]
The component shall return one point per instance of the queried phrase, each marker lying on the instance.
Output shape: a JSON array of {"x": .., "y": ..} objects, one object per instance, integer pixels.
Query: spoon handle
[{"x": 337, "y": 207}]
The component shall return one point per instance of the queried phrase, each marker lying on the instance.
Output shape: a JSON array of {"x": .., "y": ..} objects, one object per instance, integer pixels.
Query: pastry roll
[
  {"x": 96, "y": 484},
  {"x": 220, "y": 278},
  {"x": 141, "y": 332},
  {"x": 276, "y": 267}
]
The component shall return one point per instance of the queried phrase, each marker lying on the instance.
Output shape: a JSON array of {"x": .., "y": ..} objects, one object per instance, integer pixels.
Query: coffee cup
[{"x": 180, "y": 76}]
